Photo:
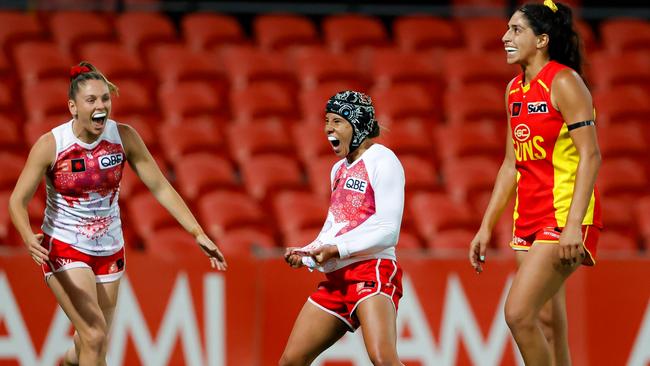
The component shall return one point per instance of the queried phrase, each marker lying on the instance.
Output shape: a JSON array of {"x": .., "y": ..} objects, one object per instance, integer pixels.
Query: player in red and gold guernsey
[
  {"x": 81, "y": 249},
  {"x": 552, "y": 160}
]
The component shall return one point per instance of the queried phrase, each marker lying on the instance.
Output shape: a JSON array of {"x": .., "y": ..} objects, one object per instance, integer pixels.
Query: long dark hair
[{"x": 564, "y": 45}]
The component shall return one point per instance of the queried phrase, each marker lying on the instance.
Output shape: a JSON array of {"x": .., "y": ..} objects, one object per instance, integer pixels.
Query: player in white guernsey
[
  {"x": 356, "y": 247},
  {"x": 81, "y": 249}
]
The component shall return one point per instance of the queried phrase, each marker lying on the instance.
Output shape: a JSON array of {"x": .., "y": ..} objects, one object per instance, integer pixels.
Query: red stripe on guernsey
[
  {"x": 353, "y": 198},
  {"x": 545, "y": 156}
]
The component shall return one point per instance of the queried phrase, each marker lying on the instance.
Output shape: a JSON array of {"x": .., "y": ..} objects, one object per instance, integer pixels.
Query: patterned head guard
[{"x": 357, "y": 109}]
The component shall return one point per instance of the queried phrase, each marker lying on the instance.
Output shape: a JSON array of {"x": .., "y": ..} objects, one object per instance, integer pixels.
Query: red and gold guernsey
[
  {"x": 546, "y": 158},
  {"x": 83, "y": 186}
]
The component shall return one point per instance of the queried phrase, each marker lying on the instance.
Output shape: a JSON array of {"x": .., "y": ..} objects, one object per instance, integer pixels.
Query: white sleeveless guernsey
[{"x": 83, "y": 186}]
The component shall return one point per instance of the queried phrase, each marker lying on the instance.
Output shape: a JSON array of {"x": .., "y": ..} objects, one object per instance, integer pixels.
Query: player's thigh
[
  {"x": 378, "y": 319},
  {"x": 314, "y": 331},
  {"x": 76, "y": 293},
  {"x": 538, "y": 279},
  {"x": 107, "y": 298}
]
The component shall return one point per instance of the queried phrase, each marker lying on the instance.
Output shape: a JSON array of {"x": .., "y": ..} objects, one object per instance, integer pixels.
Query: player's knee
[
  {"x": 382, "y": 356},
  {"x": 94, "y": 339},
  {"x": 519, "y": 317}
]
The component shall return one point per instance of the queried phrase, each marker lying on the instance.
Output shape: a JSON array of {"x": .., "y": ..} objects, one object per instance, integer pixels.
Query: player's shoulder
[{"x": 381, "y": 155}]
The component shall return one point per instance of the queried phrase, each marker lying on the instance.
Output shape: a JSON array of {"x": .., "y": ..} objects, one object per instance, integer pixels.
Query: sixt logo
[
  {"x": 537, "y": 107},
  {"x": 109, "y": 161},
  {"x": 357, "y": 185}
]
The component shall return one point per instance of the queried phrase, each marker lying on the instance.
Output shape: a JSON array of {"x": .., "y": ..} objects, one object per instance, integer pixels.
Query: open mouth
[
  {"x": 334, "y": 141},
  {"x": 99, "y": 117},
  {"x": 510, "y": 50}
]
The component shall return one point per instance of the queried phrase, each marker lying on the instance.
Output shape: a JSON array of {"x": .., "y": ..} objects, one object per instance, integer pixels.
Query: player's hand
[
  {"x": 210, "y": 249},
  {"x": 324, "y": 253},
  {"x": 571, "y": 249},
  {"x": 293, "y": 257},
  {"x": 38, "y": 253},
  {"x": 478, "y": 249}
]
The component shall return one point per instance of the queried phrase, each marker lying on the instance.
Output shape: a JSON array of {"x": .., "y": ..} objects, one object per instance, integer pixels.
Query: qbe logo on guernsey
[
  {"x": 109, "y": 161},
  {"x": 355, "y": 184}
]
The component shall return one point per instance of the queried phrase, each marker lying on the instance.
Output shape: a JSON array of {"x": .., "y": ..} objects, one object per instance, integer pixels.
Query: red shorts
[
  {"x": 347, "y": 287},
  {"x": 551, "y": 235},
  {"x": 63, "y": 257}
]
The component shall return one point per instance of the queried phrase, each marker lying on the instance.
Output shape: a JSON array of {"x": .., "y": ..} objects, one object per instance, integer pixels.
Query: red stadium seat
[
  {"x": 197, "y": 174},
  {"x": 267, "y": 174},
  {"x": 622, "y": 140},
  {"x": 319, "y": 173},
  {"x": 10, "y": 136},
  {"x": 622, "y": 178},
  {"x": 70, "y": 29},
  {"x": 475, "y": 103},
  {"x": 151, "y": 215},
  {"x": 300, "y": 238},
  {"x": 180, "y": 140},
  {"x": 613, "y": 244},
  {"x": 468, "y": 177},
  {"x": 313, "y": 101},
  {"x": 173, "y": 63},
  {"x": 404, "y": 102},
  {"x": 297, "y": 211},
  {"x": 473, "y": 139},
  {"x": 484, "y": 33},
  {"x": 621, "y": 103},
  {"x": 344, "y": 33},
  {"x": 262, "y": 101},
  {"x": 276, "y": 32},
  {"x": 310, "y": 140},
  {"x": 190, "y": 99},
  {"x": 409, "y": 137},
  {"x": 37, "y": 61},
  {"x": 246, "y": 140},
  {"x": 625, "y": 34},
  {"x": 455, "y": 241},
  {"x": 408, "y": 241},
  {"x": 115, "y": 61},
  {"x": 34, "y": 129},
  {"x": 19, "y": 27},
  {"x": 248, "y": 65},
  {"x": 315, "y": 66},
  {"x": 139, "y": 30},
  {"x": 224, "y": 211},
  {"x": 461, "y": 71},
  {"x": 390, "y": 67},
  {"x": 243, "y": 242},
  {"x": 420, "y": 33},
  {"x": 642, "y": 212},
  {"x": 5, "y": 219},
  {"x": 205, "y": 31},
  {"x": 420, "y": 174},
  {"x": 586, "y": 35},
  {"x": 171, "y": 244},
  {"x": 619, "y": 69},
  {"x": 52, "y": 99},
  {"x": 618, "y": 216},
  {"x": 11, "y": 167},
  {"x": 433, "y": 213},
  {"x": 134, "y": 99}
]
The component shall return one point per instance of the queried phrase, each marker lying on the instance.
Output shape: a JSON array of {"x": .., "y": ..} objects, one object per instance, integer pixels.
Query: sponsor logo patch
[
  {"x": 522, "y": 132},
  {"x": 366, "y": 286},
  {"x": 537, "y": 107},
  {"x": 355, "y": 184},
  {"x": 77, "y": 165},
  {"x": 515, "y": 109},
  {"x": 109, "y": 161}
]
